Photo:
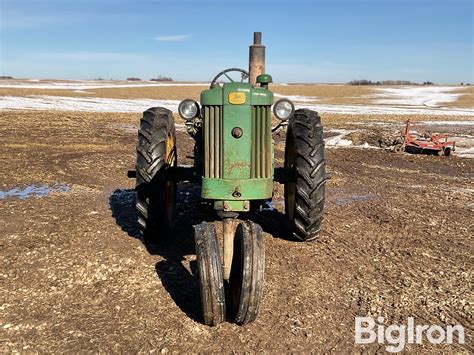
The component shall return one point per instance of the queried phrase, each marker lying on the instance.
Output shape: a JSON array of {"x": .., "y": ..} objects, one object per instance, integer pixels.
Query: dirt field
[{"x": 397, "y": 242}]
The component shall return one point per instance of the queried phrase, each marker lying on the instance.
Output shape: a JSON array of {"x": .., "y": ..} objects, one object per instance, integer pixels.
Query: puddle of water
[
  {"x": 343, "y": 201},
  {"x": 33, "y": 191},
  {"x": 267, "y": 206}
]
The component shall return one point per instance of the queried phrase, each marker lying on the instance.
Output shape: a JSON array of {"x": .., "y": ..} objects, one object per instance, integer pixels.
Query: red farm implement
[{"x": 423, "y": 142}]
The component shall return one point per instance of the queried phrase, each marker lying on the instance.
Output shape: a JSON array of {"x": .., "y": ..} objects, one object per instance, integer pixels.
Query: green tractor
[{"x": 233, "y": 162}]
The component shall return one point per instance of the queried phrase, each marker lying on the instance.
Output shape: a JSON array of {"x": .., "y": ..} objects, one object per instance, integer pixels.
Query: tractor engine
[{"x": 237, "y": 142}]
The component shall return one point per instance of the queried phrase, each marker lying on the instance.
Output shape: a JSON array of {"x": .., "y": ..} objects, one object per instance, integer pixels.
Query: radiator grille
[
  {"x": 213, "y": 141},
  {"x": 261, "y": 146},
  {"x": 261, "y": 159}
]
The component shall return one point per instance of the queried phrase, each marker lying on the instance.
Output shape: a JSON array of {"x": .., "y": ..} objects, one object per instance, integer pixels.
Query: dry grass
[
  {"x": 465, "y": 101},
  {"x": 158, "y": 92},
  {"x": 329, "y": 94},
  {"x": 338, "y": 94}
]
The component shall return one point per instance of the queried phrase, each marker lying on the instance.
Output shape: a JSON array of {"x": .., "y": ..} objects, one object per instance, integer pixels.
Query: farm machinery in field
[
  {"x": 423, "y": 142},
  {"x": 234, "y": 165}
]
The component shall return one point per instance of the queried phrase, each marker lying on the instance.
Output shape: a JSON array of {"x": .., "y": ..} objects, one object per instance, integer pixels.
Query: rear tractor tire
[
  {"x": 156, "y": 152},
  {"x": 304, "y": 159}
]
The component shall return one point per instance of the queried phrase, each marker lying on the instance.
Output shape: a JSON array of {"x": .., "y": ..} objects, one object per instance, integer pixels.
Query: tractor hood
[{"x": 237, "y": 94}]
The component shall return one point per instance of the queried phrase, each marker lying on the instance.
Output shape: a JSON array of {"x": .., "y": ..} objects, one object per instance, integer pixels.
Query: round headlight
[
  {"x": 188, "y": 109},
  {"x": 283, "y": 109}
]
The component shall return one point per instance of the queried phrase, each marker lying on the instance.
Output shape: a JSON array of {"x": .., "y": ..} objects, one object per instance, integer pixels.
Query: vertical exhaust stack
[{"x": 256, "y": 58}]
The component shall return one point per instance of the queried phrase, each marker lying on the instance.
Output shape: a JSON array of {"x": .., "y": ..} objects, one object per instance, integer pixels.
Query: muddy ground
[{"x": 397, "y": 242}]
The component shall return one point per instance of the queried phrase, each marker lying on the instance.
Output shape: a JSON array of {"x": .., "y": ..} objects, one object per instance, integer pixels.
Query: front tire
[
  {"x": 156, "y": 152},
  {"x": 247, "y": 273},
  {"x": 211, "y": 277},
  {"x": 304, "y": 159}
]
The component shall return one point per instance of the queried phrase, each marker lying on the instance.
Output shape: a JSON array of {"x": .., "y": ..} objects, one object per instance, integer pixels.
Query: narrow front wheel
[
  {"x": 211, "y": 281},
  {"x": 247, "y": 273}
]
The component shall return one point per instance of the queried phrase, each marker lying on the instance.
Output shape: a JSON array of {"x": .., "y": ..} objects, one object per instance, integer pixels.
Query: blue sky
[{"x": 307, "y": 41}]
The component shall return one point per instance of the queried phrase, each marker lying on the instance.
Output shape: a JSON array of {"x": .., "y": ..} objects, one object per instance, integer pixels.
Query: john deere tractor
[{"x": 233, "y": 162}]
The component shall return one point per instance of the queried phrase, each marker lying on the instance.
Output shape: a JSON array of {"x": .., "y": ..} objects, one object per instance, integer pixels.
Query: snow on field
[
  {"x": 44, "y": 102},
  {"x": 87, "y": 85},
  {"x": 428, "y": 96},
  {"x": 63, "y": 103},
  {"x": 296, "y": 98},
  {"x": 448, "y": 123},
  {"x": 396, "y": 101},
  {"x": 339, "y": 139},
  {"x": 465, "y": 152},
  {"x": 418, "y": 123},
  {"x": 420, "y": 100},
  {"x": 386, "y": 110}
]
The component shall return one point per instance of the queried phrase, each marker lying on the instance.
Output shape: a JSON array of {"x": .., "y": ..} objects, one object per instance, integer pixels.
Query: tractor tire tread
[
  {"x": 311, "y": 176},
  {"x": 211, "y": 281},
  {"x": 249, "y": 237},
  {"x": 156, "y": 125}
]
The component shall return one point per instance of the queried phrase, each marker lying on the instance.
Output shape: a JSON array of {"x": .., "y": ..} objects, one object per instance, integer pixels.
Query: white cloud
[{"x": 172, "y": 38}]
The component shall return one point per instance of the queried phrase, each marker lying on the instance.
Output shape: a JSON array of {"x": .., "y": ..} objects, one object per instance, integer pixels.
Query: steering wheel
[{"x": 243, "y": 73}]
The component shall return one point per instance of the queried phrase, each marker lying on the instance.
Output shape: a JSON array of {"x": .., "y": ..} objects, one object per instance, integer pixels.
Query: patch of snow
[
  {"x": 425, "y": 123},
  {"x": 338, "y": 140},
  {"x": 388, "y": 110},
  {"x": 382, "y": 124},
  {"x": 297, "y": 98},
  {"x": 410, "y": 101},
  {"x": 464, "y": 152},
  {"x": 428, "y": 96},
  {"x": 463, "y": 139},
  {"x": 82, "y": 91},
  {"x": 342, "y": 143},
  {"x": 448, "y": 123},
  {"x": 90, "y": 104}
]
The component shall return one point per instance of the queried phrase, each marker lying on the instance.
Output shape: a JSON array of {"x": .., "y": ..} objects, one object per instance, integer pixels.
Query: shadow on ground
[{"x": 181, "y": 283}]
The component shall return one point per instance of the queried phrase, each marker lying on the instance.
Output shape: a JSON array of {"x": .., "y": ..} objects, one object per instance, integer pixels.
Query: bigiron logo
[{"x": 396, "y": 336}]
